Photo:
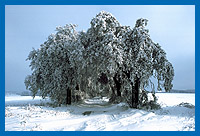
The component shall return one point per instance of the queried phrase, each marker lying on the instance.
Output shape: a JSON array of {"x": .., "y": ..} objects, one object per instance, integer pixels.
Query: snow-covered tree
[
  {"x": 102, "y": 53},
  {"x": 144, "y": 59},
  {"x": 53, "y": 75},
  {"x": 107, "y": 60}
]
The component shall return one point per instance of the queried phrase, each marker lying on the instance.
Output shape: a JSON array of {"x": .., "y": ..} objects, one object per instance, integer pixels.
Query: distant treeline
[
  {"x": 183, "y": 91},
  {"x": 21, "y": 93},
  {"x": 180, "y": 91}
]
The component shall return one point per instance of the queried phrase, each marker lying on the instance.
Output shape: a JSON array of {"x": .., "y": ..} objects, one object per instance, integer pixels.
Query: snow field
[{"x": 98, "y": 115}]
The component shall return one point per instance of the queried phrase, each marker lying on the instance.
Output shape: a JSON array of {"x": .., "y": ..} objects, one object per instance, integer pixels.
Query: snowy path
[{"x": 98, "y": 115}]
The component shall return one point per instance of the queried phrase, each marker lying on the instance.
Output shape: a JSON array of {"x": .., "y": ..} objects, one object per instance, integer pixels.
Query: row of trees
[{"x": 107, "y": 60}]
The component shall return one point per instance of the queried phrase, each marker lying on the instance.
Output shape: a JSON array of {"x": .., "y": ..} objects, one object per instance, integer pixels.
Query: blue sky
[{"x": 172, "y": 26}]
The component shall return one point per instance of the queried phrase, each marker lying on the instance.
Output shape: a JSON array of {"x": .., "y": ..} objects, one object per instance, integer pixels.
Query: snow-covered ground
[{"x": 22, "y": 113}]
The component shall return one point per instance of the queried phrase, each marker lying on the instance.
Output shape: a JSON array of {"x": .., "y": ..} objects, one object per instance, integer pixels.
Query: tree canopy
[{"x": 107, "y": 60}]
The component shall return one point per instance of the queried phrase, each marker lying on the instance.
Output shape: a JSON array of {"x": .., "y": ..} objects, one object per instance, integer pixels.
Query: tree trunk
[
  {"x": 118, "y": 86},
  {"x": 113, "y": 95},
  {"x": 135, "y": 93},
  {"x": 68, "y": 98}
]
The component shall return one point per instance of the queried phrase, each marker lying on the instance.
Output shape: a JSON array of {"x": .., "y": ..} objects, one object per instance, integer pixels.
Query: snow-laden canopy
[{"x": 107, "y": 60}]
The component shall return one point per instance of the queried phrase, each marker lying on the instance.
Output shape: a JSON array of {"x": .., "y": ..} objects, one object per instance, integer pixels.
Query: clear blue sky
[{"x": 173, "y": 27}]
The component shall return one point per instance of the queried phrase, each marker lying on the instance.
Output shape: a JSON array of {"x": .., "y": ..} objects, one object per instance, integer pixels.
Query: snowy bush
[{"x": 187, "y": 105}]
